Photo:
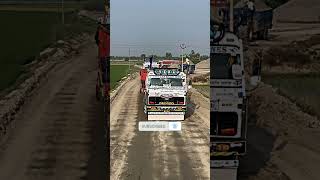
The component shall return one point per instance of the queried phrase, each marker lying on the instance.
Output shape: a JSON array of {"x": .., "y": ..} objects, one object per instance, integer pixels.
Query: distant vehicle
[
  {"x": 262, "y": 19},
  {"x": 192, "y": 67},
  {"x": 168, "y": 62},
  {"x": 177, "y": 64}
]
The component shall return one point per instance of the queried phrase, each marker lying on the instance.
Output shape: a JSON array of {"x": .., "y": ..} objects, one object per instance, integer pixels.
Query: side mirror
[
  {"x": 236, "y": 71},
  {"x": 254, "y": 80}
]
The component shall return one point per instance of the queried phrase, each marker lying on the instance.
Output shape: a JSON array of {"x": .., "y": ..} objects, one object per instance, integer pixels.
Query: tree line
[{"x": 193, "y": 56}]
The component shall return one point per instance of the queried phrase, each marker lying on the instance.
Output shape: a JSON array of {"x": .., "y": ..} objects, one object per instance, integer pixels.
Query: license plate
[{"x": 223, "y": 147}]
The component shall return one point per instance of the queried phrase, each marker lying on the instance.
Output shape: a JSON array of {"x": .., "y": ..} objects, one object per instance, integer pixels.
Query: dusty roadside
[
  {"x": 290, "y": 149},
  {"x": 59, "y": 130}
]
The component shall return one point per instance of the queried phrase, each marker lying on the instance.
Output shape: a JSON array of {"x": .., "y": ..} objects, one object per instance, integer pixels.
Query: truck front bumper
[{"x": 166, "y": 116}]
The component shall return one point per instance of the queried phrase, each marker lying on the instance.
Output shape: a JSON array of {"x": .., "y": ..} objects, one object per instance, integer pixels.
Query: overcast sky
[{"x": 159, "y": 26}]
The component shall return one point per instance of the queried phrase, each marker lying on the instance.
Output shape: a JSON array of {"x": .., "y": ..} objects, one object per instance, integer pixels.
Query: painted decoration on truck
[{"x": 166, "y": 72}]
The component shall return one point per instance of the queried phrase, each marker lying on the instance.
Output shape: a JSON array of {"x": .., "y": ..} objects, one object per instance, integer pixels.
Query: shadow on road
[
  {"x": 190, "y": 108},
  {"x": 260, "y": 144}
]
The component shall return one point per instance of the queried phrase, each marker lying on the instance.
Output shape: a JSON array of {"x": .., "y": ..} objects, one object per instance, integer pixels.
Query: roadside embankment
[
  {"x": 292, "y": 129},
  {"x": 13, "y": 98}
]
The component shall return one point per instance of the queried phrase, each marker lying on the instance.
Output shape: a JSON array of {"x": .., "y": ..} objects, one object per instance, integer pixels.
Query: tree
[
  {"x": 204, "y": 57},
  {"x": 192, "y": 56},
  {"x": 143, "y": 56},
  {"x": 168, "y": 55}
]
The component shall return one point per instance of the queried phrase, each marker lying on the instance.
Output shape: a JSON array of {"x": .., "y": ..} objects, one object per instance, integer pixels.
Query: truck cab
[
  {"x": 166, "y": 94},
  {"x": 228, "y": 102}
]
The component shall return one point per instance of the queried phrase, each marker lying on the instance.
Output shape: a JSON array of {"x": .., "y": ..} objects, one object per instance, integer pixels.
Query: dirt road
[
  {"x": 59, "y": 133},
  {"x": 158, "y": 155}
]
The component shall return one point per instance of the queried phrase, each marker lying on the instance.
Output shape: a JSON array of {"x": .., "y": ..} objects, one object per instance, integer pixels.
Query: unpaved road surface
[
  {"x": 282, "y": 139},
  {"x": 158, "y": 155},
  {"x": 59, "y": 133}
]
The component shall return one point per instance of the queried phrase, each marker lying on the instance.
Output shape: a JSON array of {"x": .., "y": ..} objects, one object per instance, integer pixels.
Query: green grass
[
  {"x": 40, "y": 7},
  {"x": 117, "y": 72},
  {"x": 203, "y": 89},
  {"x": 25, "y": 34},
  {"x": 304, "y": 90}
]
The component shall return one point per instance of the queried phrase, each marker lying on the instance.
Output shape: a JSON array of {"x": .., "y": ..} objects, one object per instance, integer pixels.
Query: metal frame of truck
[{"x": 227, "y": 96}]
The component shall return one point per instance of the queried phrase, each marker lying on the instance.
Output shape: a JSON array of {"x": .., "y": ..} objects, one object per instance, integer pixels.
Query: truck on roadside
[
  {"x": 165, "y": 96},
  {"x": 228, "y": 110},
  {"x": 247, "y": 27},
  {"x": 261, "y": 22},
  {"x": 187, "y": 68}
]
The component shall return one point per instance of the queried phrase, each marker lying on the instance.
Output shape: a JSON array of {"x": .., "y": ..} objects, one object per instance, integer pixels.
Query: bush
[{"x": 286, "y": 55}]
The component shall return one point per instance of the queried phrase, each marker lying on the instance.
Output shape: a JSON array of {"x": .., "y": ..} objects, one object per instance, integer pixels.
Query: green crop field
[
  {"x": 25, "y": 34},
  {"x": 117, "y": 72},
  {"x": 302, "y": 89}
]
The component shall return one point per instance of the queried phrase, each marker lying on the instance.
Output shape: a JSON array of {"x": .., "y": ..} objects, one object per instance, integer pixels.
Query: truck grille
[{"x": 166, "y": 101}]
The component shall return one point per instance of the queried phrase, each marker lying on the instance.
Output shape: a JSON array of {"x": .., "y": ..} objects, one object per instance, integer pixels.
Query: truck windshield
[
  {"x": 222, "y": 65},
  {"x": 166, "y": 81}
]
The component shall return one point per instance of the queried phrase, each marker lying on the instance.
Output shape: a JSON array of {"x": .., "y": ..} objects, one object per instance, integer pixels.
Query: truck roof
[{"x": 229, "y": 39}]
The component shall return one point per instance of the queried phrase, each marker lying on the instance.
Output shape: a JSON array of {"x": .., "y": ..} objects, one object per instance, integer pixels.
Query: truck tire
[{"x": 220, "y": 31}]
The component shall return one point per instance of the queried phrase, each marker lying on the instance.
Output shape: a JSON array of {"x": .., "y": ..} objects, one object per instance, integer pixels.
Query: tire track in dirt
[
  {"x": 57, "y": 136},
  {"x": 123, "y": 117}
]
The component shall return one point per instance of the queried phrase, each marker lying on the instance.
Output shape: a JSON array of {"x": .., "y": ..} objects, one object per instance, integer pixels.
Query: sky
[{"x": 159, "y": 26}]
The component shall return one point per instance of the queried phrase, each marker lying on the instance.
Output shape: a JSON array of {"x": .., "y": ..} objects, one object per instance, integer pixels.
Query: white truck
[
  {"x": 228, "y": 116},
  {"x": 165, "y": 95}
]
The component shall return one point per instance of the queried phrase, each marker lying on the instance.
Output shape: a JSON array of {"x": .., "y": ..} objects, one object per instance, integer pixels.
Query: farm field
[
  {"x": 41, "y": 7},
  {"x": 302, "y": 89},
  {"x": 117, "y": 72},
  {"x": 25, "y": 35}
]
